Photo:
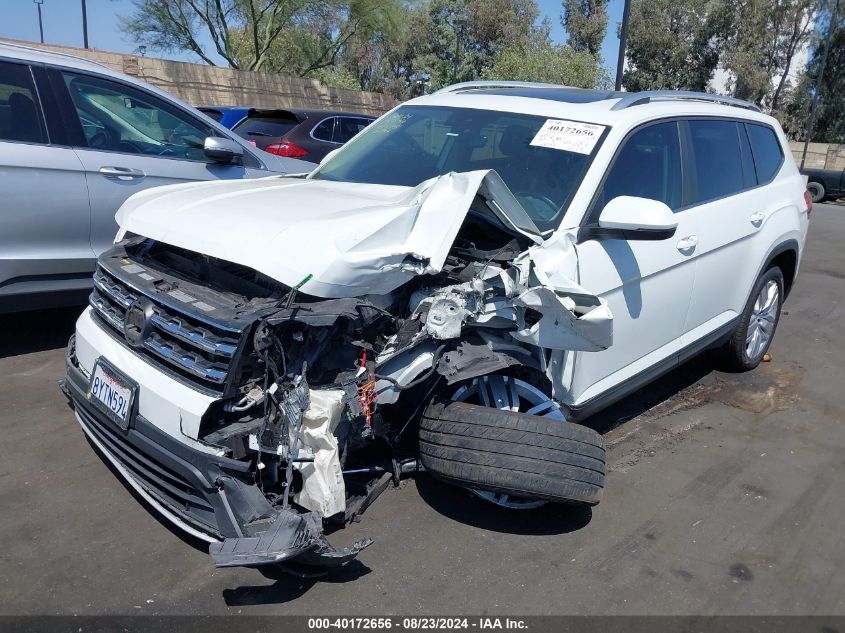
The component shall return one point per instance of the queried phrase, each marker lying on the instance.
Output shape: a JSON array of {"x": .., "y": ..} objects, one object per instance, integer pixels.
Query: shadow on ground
[{"x": 36, "y": 331}]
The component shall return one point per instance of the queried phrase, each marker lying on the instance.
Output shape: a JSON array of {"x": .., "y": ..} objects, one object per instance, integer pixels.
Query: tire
[
  {"x": 735, "y": 354},
  {"x": 816, "y": 190},
  {"x": 514, "y": 453}
]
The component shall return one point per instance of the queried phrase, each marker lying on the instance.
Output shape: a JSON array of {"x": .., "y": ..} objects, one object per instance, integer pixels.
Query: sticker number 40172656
[{"x": 570, "y": 136}]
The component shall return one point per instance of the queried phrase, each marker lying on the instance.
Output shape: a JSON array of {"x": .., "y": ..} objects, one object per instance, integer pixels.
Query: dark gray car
[{"x": 76, "y": 140}]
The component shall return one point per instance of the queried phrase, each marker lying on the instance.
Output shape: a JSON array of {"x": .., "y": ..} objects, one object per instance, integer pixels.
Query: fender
[{"x": 779, "y": 249}]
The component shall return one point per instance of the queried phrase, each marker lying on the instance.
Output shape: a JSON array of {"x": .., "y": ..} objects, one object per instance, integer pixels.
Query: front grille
[
  {"x": 202, "y": 351},
  {"x": 165, "y": 484}
]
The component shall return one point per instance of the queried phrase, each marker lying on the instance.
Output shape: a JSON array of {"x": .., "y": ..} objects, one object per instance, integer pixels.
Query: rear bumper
[{"x": 209, "y": 496}]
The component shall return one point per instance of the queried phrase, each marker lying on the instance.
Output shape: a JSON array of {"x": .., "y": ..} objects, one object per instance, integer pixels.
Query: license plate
[{"x": 112, "y": 392}]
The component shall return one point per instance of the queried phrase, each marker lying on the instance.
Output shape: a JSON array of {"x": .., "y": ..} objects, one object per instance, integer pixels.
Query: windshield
[{"x": 415, "y": 143}]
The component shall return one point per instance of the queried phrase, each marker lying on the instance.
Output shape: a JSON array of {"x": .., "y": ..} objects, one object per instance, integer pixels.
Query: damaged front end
[{"x": 314, "y": 394}]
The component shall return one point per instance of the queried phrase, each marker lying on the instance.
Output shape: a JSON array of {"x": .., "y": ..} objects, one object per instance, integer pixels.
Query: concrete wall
[
  {"x": 819, "y": 155},
  {"x": 200, "y": 84}
]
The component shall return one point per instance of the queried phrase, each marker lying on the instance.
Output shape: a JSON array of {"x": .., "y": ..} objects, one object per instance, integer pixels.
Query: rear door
[
  {"x": 133, "y": 140},
  {"x": 44, "y": 215},
  {"x": 727, "y": 210}
]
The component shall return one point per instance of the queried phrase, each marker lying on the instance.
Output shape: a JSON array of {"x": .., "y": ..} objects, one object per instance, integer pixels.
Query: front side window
[
  {"x": 415, "y": 143},
  {"x": 647, "y": 166},
  {"x": 717, "y": 160},
  {"x": 117, "y": 118},
  {"x": 20, "y": 119},
  {"x": 768, "y": 156}
]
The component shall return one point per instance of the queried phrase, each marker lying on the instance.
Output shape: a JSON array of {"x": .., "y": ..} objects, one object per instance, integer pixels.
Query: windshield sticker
[{"x": 569, "y": 136}]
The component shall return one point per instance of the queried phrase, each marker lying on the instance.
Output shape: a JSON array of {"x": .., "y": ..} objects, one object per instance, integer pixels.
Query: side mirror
[
  {"x": 222, "y": 150},
  {"x": 329, "y": 156},
  {"x": 631, "y": 218}
]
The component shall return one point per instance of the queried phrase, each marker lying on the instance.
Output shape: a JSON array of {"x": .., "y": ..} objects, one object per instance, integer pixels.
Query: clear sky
[{"x": 63, "y": 25}]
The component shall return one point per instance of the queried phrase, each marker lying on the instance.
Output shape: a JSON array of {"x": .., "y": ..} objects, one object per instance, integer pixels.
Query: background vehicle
[
  {"x": 304, "y": 134},
  {"x": 227, "y": 116},
  {"x": 825, "y": 184},
  {"x": 76, "y": 140}
]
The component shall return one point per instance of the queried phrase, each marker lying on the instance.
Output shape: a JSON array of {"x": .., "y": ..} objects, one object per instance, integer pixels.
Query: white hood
[{"x": 353, "y": 239}]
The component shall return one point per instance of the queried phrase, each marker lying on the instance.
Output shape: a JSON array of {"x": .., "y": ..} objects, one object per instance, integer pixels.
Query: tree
[
  {"x": 538, "y": 59},
  {"x": 830, "y": 110},
  {"x": 674, "y": 44},
  {"x": 300, "y": 36},
  {"x": 764, "y": 38},
  {"x": 586, "y": 23}
]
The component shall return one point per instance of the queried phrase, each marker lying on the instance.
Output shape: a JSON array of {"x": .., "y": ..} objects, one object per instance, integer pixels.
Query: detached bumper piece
[
  {"x": 290, "y": 536},
  {"x": 213, "y": 495}
]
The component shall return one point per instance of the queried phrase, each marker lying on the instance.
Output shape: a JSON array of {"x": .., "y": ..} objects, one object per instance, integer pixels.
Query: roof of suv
[
  {"x": 605, "y": 107},
  {"x": 43, "y": 56}
]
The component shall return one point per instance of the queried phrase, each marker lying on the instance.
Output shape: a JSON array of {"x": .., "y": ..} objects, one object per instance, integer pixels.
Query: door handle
[
  {"x": 122, "y": 173},
  {"x": 688, "y": 244},
  {"x": 757, "y": 218}
]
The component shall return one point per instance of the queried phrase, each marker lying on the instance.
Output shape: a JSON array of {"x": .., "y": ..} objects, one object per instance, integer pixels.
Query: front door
[
  {"x": 647, "y": 284},
  {"x": 136, "y": 140}
]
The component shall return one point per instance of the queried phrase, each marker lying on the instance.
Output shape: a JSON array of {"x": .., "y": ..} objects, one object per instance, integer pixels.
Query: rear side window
[
  {"x": 717, "y": 160},
  {"x": 768, "y": 156},
  {"x": 647, "y": 166},
  {"x": 325, "y": 130},
  {"x": 349, "y": 127},
  {"x": 20, "y": 118},
  {"x": 264, "y": 126}
]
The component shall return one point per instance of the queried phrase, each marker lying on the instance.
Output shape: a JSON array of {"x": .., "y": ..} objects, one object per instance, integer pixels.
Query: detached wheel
[
  {"x": 511, "y": 458},
  {"x": 756, "y": 329},
  {"x": 816, "y": 190}
]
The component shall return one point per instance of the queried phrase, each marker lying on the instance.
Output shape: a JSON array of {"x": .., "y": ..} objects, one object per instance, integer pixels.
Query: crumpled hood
[{"x": 353, "y": 239}]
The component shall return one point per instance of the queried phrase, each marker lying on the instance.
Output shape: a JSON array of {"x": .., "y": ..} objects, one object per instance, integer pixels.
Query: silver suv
[{"x": 76, "y": 140}]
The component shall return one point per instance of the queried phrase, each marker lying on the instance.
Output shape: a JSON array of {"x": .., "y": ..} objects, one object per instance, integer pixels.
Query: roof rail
[
  {"x": 647, "y": 96},
  {"x": 35, "y": 49},
  {"x": 478, "y": 85}
]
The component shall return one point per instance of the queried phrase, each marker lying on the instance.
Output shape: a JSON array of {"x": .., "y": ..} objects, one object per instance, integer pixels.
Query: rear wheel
[
  {"x": 509, "y": 443},
  {"x": 756, "y": 329},
  {"x": 816, "y": 190}
]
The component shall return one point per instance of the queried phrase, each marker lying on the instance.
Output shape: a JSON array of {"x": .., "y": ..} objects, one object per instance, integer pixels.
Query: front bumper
[
  {"x": 213, "y": 495},
  {"x": 209, "y": 496}
]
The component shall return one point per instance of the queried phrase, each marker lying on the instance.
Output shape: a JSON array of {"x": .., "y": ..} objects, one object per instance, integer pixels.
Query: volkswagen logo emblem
[{"x": 137, "y": 322}]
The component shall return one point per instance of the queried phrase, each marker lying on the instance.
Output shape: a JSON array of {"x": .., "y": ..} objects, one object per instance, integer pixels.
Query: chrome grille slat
[{"x": 189, "y": 347}]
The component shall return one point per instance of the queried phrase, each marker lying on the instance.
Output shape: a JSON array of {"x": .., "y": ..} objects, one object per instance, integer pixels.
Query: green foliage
[
  {"x": 549, "y": 63},
  {"x": 830, "y": 110},
  {"x": 674, "y": 44},
  {"x": 586, "y": 23}
]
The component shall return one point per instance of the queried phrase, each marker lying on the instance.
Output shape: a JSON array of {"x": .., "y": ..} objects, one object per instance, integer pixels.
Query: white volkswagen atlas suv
[{"x": 453, "y": 290}]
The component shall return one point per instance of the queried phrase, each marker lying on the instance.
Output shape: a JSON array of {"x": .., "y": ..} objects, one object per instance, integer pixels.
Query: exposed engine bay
[{"x": 319, "y": 397}]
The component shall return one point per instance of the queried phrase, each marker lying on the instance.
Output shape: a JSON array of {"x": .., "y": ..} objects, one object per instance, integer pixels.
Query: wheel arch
[{"x": 784, "y": 256}]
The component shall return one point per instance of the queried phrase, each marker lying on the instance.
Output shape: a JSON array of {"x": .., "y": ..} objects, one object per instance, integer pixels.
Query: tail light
[
  {"x": 809, "y": 201},
  {"x": 287, "y": 149}
]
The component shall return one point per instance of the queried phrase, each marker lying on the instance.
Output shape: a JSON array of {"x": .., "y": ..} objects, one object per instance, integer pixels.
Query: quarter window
[
  {"x": 768, "y": 156},
  {"x": 717, "y": 160},
  {"x": 647, "y": 166},
  {"x": 324, "y": 131},
  {"x": 20, "y": 119}
]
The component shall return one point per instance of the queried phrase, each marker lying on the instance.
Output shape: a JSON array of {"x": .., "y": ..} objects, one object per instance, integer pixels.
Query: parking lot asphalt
[{"x": 724, "y": 496}]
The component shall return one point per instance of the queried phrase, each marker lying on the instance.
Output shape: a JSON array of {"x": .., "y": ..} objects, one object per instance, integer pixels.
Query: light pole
[
  {"x": 84, "y": 24},
  {"x": 623, "y": 41},
  {"x": 38, "y": 3}
]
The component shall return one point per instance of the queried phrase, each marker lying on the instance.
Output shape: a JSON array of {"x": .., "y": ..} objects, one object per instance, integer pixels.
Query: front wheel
[{"x": 756, "y": 329}]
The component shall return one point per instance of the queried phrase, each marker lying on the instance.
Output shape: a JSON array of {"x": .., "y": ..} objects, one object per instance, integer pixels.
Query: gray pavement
[{"x": 725, "y": 495}]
